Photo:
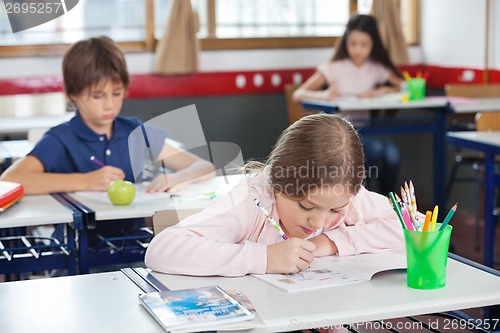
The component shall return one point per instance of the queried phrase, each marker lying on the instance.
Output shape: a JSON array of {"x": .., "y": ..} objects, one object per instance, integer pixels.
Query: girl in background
[{"x": 360, "y": 67}]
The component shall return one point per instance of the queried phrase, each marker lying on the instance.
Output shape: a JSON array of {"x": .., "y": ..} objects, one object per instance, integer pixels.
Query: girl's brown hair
[
  {"x": 318, "y": 150},
  {"x": 90, "y": 61}
]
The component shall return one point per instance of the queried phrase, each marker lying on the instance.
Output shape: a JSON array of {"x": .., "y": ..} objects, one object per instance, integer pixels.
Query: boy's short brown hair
[{"x": 90, "y": 61}]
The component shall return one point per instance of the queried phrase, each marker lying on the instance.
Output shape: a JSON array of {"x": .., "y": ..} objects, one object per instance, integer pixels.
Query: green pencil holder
[
  {"x": 416, "y": 89},
  {"x": 427, "y": 257}
]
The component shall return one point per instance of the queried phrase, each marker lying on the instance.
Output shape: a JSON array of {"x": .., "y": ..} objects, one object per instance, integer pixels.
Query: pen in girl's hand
[
  {"x": 270, "y": 218},
  {"x": 96, "y": 161}
]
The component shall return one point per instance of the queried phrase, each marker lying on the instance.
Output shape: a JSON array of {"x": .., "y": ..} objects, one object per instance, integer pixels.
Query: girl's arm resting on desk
[
  {"x": 379, "y": 91},
  {"x": 187, "y": 166},
  {"x": 313, "y": 89},
  {"x": 395, "y": 83},
  {"x": 371, "y": 225},
  {"x": 179, "y": 250},
  {"x": 30, "y": 172}
]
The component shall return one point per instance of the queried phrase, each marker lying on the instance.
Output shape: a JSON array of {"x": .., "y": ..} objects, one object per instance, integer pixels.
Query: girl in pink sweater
[{"x": 312, "y": 185}]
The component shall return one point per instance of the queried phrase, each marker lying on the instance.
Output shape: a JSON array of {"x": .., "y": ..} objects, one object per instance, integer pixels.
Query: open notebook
[
  {"x": 334, "y": 270},
  {"x": 193, "y": 191}
]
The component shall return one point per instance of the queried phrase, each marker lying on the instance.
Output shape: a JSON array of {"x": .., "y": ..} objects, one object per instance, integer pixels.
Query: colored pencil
[
  {"x": 397, "y": 209},
  {"x": 270, "y": 219},
  {"x": 434, "y": 217},
  {"x": 427, "y": 221},
  {"x": 96, "y": 161},
  {"x": 408, "y": 207},
  {"x": 413, "y": 200},
  {"x": 407, "y": 219},
  {"x": 404, "y": 212},
  {"x": 406, "y": 75},
  {"x": 448, "y": 217}
]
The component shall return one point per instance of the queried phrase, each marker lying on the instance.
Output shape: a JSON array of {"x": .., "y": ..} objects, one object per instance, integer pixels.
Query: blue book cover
[{"x": 197, "y": 307}]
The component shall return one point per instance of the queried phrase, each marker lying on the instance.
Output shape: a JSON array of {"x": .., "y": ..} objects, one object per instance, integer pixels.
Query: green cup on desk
[
  {"x": 416, "y": 89},
  {"x": 426, "y": 257}
]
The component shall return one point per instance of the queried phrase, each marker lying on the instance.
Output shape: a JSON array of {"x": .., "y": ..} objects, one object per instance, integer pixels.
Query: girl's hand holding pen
[{"x": 290, "y": 256}]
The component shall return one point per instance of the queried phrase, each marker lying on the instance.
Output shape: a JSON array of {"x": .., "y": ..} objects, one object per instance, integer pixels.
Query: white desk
[
  {"x": 489, "y": 144},
  {"x": 35, "y": 210},
  {"x": 28, "y": 105},
  {"x": 107, "y": 302},
  {"x": 385, "y": 296},
  {"x": 14, "y": 149},
  {"x": 473, "y": 105},
  {"x": 375, "y": 104},
  {"x": 97, "y": 303},
  {"x": 20, "y": 113},
  {"x": 18, "y": 125}
]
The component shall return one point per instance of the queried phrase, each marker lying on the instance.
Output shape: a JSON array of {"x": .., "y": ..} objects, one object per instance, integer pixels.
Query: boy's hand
[
  {"x": 290, "y": 256},
  {"x": 99, "y": 180},
  {"x": 165, "y": 182}
]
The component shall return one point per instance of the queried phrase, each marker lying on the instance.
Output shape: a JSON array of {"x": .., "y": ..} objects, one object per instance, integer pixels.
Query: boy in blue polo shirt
[{"x": 95, "y": 81}]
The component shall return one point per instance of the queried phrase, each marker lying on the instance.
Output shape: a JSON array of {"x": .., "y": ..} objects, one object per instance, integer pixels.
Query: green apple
[{"x": 121, "y": 192}]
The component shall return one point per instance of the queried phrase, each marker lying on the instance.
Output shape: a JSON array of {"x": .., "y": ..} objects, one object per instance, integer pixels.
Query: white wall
[
  {"x": 210, "y": 61},
  {"x": 453, "y": 33}
]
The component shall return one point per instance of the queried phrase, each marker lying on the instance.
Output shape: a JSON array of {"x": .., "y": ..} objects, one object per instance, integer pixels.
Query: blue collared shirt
[{"x": 67, "y": 148}]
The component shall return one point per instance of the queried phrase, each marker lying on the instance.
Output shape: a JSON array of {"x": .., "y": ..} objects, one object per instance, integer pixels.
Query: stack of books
[{"x": 10, "y": 193}]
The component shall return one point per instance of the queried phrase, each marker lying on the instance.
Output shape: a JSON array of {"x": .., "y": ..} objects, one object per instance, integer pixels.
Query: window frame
[{"x": 214, "y": 43}]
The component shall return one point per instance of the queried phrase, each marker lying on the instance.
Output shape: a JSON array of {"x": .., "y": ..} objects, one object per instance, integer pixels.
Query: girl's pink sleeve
[
  {"x": 213, "y": 242},
  {"x": 371, "y": 225},
  {"x": 323, "y": 69}
]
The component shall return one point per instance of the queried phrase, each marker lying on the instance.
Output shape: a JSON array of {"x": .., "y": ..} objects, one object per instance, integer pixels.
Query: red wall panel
[{"x": 234, "y": 82}]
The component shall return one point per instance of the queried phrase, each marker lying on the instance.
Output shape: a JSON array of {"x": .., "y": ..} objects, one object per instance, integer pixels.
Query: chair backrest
[
  {"x": 472, "y": 90},
  {"x": 295, "y": 110},
  {"x": 467, "y": 120},
  {"x": 488, "y": 121},
  {"x": 166, "y": 218}
]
